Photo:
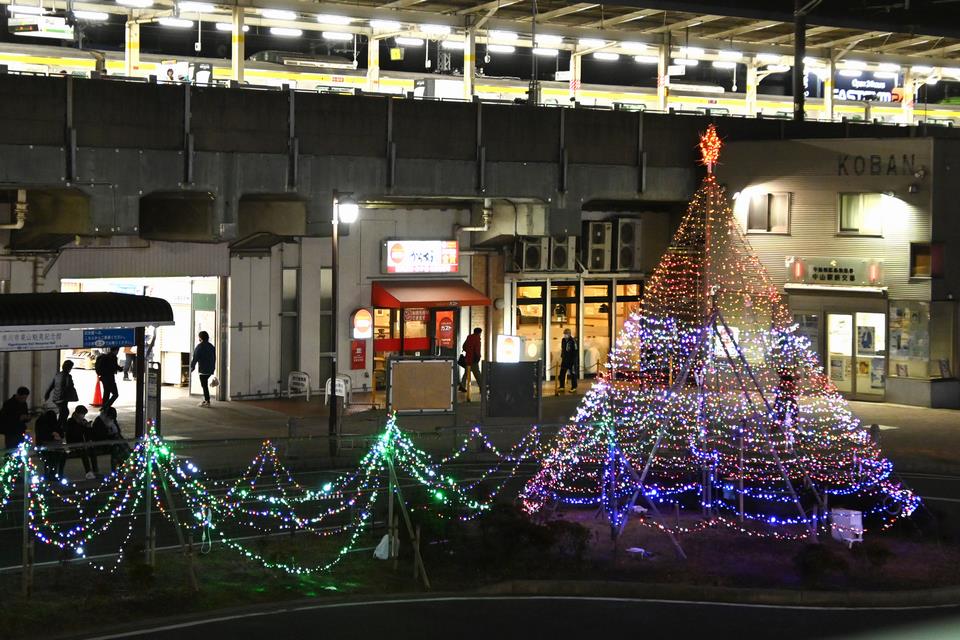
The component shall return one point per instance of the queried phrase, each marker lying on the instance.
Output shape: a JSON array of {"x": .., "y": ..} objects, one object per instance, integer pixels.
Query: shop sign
[
  {"x": 49, "y": 339},
  {"x": 358, "y": 354},
  {"x": 834, "y": 271},
  {"x": 415, "y": 314},
  {"x": 876, "y": 164},
  {"x": 445, "y": 331},
  {"x": 362, "y": 324},
  {"x": 508, "y": 348},
  {"x": 421, "y": 256}
]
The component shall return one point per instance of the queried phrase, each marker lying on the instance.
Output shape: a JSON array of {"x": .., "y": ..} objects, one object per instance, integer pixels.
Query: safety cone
[{"x": 97, "y": 395}]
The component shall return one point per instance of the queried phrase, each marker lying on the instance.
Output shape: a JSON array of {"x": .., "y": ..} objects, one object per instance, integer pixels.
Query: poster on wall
[
  {"x": 836, "y": 369},
  {"x": 866, "y": 341},
  {"x": 877, "y": 374}
]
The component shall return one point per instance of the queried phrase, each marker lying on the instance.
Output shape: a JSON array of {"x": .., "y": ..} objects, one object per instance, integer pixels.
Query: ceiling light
[
  {"x": 778, "y": 68},
  {"x": 226, "y": 26},
  {"x": 854, "y": 64},
  {"x": 592, "y": 42},
  {"x": 410, "y": 42},
  {"x": 387, "y": 25},
  {"x": 606, "y": 55},
  {"x": 688, "y": 52},
  {"x": 501, "y": 48},
  {"x": 26, "y": 8},
  {"x": 325, "y": 18},
  {"x": 730, "y": 55},
  {"x": 686, "y": 62},
  {"x": 951, "y": 71},
  {"x": 542, "y": 51},
  {"x": 97, "y": 16},
  {"x": 932, "y": 80},
  {"x": 811, "y": 62},
  {"x": 285, "y": 32},
  {"x": 850, "y": 73},
  {"x": 633, "y": 46},
  {"x": 546, "y": 38},
  {"x": 195, "y": 7},
  {"x": 921, "y": 69},
  {"x": 502, "y": 35},
  {"x": 888, "y": 66},
  {"x": 179, "y": 23},
  {"x": 278, "y": 14},
  {"x": 768, "y": 57},
  {"x": 140, "y": 4},
  {"x": 647, "y": 59},
  {"x": 454, "y": 45},
  {"x": 342, "y": 36},
  {"x": 436, "y": 29},
  {"x": 885, "y": 74},
  {"x": 725, "y": 64}
]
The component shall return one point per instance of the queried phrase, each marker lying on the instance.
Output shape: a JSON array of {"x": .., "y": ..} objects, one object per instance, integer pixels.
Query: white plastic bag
[
  {"x": 213, "y": 382},
  {"x": 382, "y": 552}
]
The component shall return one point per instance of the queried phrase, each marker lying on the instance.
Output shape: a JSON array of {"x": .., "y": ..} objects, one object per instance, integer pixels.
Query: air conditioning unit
[
  {"x": 599, "y": 244},
  {"x": 534, "y": 254},
  {"x": 563, "y": 253},
  {"x": 628, "y": 244}
]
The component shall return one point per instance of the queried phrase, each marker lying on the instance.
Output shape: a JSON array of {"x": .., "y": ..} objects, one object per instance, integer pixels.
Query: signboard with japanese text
[
  {"x": 51, "y": 339},
  {"x": 358, "y": 354},
  {"x": 834, "y": 271},
  {"x": 421, "y": 256}
]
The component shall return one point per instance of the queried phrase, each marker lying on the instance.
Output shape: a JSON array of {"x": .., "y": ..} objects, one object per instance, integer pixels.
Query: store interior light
[
  {"x": 768, "y": 57},
  {"x": 286, "y": 32},
  {"x": 501, "y": 48},
  {"x": 435, "y": 29},
  {"x": 226, "y": 26},
  {"x": 546, "y": 38},
  {"x": 386, "y": 25},
  {"x": 410, "y": 42},
  {"x": 502, "y": 35},
  {"x": 724, "y": 64},
  {"x": 607, "y": 56},
  {"x": 545, "y": 52},
  {"x": 888, "y": 66},
  {"x": 686, "y": 62},
  {"x": 453, "y": 45},
  {"x": 730, "y": 55},
  {"x": 278, "y": 14},
  {"x": 647, "y": 59},
  {"x": 778, "y": 68},
  {"x": 921, "y": 69},
  {"x": 850, "y": 73},
  {"x": 26, "y": 8},
  {"x": 341, "y": 36},
  {"x": 92, "y": 16},
  {"x": 196, "y": 7},
  {"x": 179, "y": 23},
  {"x": 591, "y": 42},
  {"x": 325, "y": 18}
]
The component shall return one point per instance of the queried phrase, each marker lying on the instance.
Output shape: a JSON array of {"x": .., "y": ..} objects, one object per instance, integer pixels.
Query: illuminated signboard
[
  {"x": 421, "y": 256},
  {"x": 508, "y": 348},
  {"x": 362, "y": 324}
]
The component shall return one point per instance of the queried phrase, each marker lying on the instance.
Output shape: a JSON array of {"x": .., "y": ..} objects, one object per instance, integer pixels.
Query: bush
[
  {"x": 815, "y": 562},
  {"x": 874, "y": 552}
]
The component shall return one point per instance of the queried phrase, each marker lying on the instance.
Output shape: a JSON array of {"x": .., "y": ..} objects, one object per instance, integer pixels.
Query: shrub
[{"x": 815, "y": 562}]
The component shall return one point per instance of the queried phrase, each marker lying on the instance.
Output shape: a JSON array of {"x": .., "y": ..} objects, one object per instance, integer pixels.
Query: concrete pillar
[
  {"x": 237, "y": 46},
  {"x": 828, "y": 88},
  {"x": 131, "y": 48},
  {"x": 663, "y": 80},
  {"x": 469, "y": 62},
  {"x": 751, "y": 98},
  {"x": 576, "y": 66},
  {"x": 909, "y": 97},
  {"x": 373, "y": 64}
]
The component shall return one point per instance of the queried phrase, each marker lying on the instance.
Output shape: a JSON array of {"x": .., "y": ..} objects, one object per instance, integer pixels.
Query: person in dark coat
[
  {"x": 569, "y": 354},
  {"x": 80, "y": 432},
  {"x": 472, "y": 355},
  {"x": 107, "y": 369},
  {"x": 50, "y": 437},
  {"x": 61, "y": 391},
  {"x": 14, "y": 416},
  {"x": 205, "y": 361},
  {"x": 107, "y": 429}
]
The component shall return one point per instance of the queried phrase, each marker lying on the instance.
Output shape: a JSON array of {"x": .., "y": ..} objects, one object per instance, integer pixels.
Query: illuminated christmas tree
[{"x": 711, "y": 396}]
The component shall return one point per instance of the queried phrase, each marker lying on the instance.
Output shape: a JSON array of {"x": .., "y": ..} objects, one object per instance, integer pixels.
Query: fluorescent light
[
  {"x": 226, "y": 26},
  {"x": 286, "y": 32},
  {"x": 885, "y": 74},
  {"x": 337, "y": 35},
  {"x": 140, "y": 4},
  {"x": 96, "y": 16},
  {"x": 687, "y": 52},
  {"x": 850, "y": 73},
  {"x": 26, "y": 8},
  {"x": 179, "y": 23},
  {"x": 921, "y": 69},
  {"x": 386, "y": 25},
  {"x": 730, "y": 55},
  {"x": 811, "y": 62},
  {"x": 501, "y": 48},
  {"x": 546, "y": 38},
  {"x": 606, "y": 55},
  {"x": 854, "y": 64},
  {"x": 324, "y": 18},
  {"x": 591, "y": 42},
  {"x": 410, "y": 42},
  {"x": 633, "y": 46},
  {"x": 778, "y": 68},
  {"x": 542, "y": 51},
  {"x": 502, "y": 35},
  {"x": 454, "y": 45},
  {"x": 768, "y": 57},
  {"x": 888, "y": 66},
  {"x": 951, "y": 71},
  {"x": 725, "y": 64},
  {"x": 436, "y": 29},
  {"x": 278, "y": 14},
  {"x": 195, "y": 7},
  {"x": 687, "y": 62},
  {"x": 647, "y": 59},
  {"x": 932, "y": 80}
]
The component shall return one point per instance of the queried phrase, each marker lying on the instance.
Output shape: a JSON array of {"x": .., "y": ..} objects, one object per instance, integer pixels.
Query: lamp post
[{"x": 345, "y": 209}]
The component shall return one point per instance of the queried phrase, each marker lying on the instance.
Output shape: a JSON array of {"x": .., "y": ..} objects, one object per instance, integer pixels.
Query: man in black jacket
[
  {"x": 14, "y": 416},
  {"x": 205, "y": 361},
  {"x": 107, "y": 368}
]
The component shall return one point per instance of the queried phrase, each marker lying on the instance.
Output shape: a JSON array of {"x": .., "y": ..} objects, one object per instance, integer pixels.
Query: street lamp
[{"x": 346, "y": 210}]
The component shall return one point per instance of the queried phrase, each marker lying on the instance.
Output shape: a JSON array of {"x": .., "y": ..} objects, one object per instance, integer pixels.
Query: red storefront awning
[{"x": 401, "y": 294}]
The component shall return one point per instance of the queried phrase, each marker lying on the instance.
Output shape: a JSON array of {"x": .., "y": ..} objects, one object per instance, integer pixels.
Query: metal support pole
[
  {"x": 333, "y": 427},
  {"x": 140, "y": 373},
  {"x": 799, "y": 52}
]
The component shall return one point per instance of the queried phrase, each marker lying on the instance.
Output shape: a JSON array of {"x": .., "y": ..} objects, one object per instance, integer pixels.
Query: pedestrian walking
[
  {"x": 471, "y": 356},
  {"x": 80, "y": 432},
  {"x": 61, "y": 391},
  {"x": 50, "y": 437},
  {"x": 569, "y": 354},
  {"x": 107, "y": 368},
  {"x": 129, "y": 359},
  {"x": 205, "y": 361},
  {"x": 14, "y": 416}
]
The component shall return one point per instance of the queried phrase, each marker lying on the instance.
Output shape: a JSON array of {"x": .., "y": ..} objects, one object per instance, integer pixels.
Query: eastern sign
[
  {"x": 51, "y": 339},
  {"x": 421, "y": 256},
  {"x": 864, "y": 88}
]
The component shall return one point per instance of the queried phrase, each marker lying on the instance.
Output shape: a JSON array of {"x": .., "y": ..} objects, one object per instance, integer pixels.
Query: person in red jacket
[{"x": 472, "y": 354}]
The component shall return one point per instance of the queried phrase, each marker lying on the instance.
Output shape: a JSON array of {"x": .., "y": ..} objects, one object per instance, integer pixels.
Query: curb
[{"x": 946, "y": 596}]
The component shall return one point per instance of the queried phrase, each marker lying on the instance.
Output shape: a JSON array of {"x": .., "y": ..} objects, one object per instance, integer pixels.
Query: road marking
[
  {"x": 471, "y": 599},
  {"x": 937, "y": 499}
]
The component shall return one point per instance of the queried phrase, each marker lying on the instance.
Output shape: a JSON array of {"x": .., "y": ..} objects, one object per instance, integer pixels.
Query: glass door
[
  {"x": 840, "y": 351},
  {"x": 871, "y": 359}
]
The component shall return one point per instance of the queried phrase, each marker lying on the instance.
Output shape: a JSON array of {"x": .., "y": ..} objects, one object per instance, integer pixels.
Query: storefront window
[
  {"x": 628, "y": 301},
  {"x": 563, "y": 315},
  {"x": 530, "y": 319},
  {"x": 921, "y": 339},
  {"x": 595, "y": 336}
]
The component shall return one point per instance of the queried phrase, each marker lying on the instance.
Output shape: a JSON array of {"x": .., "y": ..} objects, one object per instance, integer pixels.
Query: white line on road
[{"x": 936, "y": 499}]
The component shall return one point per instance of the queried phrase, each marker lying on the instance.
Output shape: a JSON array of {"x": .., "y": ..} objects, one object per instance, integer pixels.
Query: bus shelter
[{"x": 55, "y": 321}]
